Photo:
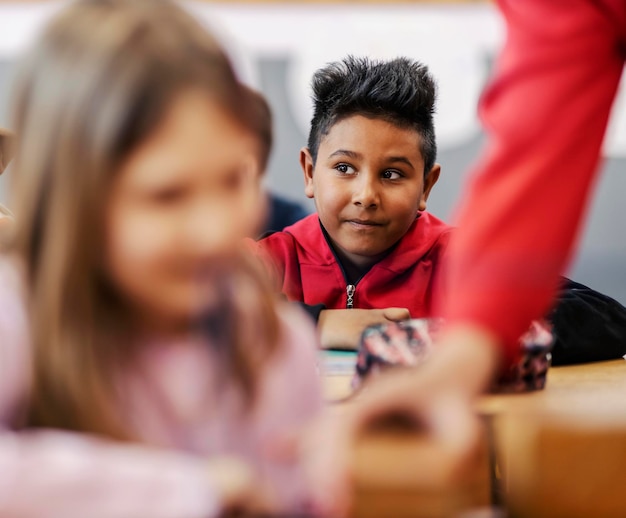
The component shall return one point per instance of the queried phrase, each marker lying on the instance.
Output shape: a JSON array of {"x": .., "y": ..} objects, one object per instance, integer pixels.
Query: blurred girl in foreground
[{"x": 127, "y": 309}]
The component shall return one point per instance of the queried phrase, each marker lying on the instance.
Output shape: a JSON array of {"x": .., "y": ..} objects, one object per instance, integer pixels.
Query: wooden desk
[
  {"x": 600, "y": 386},
  {"x": 561, "y": 452},
  {"x": 601, "y": 383}
]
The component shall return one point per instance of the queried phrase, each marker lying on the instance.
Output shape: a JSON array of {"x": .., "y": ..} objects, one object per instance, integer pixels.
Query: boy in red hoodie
[{"x": 372, "y": 253}]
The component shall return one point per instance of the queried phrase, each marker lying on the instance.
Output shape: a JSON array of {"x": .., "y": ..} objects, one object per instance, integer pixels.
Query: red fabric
[
  {"x": 545, "y": 112},
  {"x": 308, "y": 271}
]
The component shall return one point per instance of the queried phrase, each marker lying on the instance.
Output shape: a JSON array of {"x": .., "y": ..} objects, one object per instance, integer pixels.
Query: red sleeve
[{"x": 545, "y": 113}]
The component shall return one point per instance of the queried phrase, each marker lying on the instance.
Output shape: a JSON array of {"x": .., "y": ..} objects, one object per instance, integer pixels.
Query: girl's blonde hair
[{"x": 98, "y": 82}]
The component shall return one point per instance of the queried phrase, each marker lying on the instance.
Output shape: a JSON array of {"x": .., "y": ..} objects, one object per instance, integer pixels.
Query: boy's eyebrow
[
  {"x": 345, "y": 152},
  {"x": 356, "y": 156},
  {"x": 401, "y": 159}
]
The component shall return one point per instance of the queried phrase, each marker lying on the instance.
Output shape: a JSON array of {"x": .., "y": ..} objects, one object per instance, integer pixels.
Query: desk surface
[
  {"x": 601, "y": 384},
  {"x": 590, "y": 387},
  {"x": 591, "y": 396},
  {"x": 563, "y": 449}
]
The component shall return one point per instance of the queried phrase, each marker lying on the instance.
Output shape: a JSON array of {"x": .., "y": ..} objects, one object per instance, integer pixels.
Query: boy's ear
[
  {"x": 306, "y": 162},
  {"x": 429, "y": 182}
]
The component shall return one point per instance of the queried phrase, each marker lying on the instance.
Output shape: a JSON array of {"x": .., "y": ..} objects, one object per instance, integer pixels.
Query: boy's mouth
[{"x": 364, "y": 223}]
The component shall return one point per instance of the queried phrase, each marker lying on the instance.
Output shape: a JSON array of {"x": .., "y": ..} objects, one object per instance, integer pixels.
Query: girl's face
[{"x": 181, "y": 203}]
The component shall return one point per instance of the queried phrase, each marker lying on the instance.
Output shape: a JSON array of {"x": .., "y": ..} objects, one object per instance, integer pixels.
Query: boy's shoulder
[
  {"x": 305, "y": 231},
  {"x": 302, "y": 242},
  {"x": 428, "y": 231},
  {"x": 427, "y": 237},
  {"x": 428, "y": 220}
]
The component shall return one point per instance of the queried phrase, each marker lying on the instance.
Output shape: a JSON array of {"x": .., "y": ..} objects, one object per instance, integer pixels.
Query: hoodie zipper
[{"x": 350, "y": 289}]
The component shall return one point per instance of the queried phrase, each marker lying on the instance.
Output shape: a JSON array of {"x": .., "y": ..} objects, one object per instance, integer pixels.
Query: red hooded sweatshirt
[{"x": 309, "y": 272}]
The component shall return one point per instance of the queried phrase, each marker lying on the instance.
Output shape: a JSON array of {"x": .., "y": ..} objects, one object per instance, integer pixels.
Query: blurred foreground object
[
  {"x": 6, "y": 154},
  {"x": 557, "y": 453},
  {"x": 566, "y": 463},
  {"x": 6, "y": 223},
  {"x": 6, "y": 148},
  {"x": 410, "y": 343},
  {"x": 399, "y": 474}
]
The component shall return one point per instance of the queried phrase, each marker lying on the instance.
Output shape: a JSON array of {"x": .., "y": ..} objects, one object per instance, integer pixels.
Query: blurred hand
[
  {"x": 238, "y": 488},
  {"x": 343, "y": 327},
  {"x": 438, "y": 398}
]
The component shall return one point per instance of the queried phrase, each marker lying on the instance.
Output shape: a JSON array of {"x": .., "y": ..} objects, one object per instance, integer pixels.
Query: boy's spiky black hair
[{"x": 401, "y": 91}]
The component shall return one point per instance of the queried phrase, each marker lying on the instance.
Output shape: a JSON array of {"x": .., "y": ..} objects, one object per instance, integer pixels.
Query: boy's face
[{"x": 368, "y": 184}]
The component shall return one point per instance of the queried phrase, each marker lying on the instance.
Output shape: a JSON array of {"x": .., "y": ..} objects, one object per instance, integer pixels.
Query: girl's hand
[
  {"x": 238, "y": 488},
  {"x": 438, "y": 398}
]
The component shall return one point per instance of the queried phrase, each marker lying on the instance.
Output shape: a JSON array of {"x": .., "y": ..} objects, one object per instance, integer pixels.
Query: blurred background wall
[{"x": 276, "y": 46}]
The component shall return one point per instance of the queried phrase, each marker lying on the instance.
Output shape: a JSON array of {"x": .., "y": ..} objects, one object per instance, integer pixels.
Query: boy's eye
[
  {"x": 344, "y": 168},
  {"x": 391, "y": 175}
]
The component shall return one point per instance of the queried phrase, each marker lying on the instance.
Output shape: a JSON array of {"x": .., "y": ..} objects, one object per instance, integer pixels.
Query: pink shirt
[{"x": 172, "y": 402}]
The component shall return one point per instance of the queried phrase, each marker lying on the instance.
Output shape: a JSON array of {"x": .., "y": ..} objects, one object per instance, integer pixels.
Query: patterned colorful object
[
  {"x": 410, "y": 342},
  {"x": 531, "y": 370}
]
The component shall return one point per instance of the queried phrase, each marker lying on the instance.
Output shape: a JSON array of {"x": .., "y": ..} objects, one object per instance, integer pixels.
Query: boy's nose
[{"x": 366, "y": 193}]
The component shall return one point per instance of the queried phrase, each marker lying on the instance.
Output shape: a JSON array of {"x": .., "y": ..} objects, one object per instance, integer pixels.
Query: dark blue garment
[{"x": 282, "y": 213}]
